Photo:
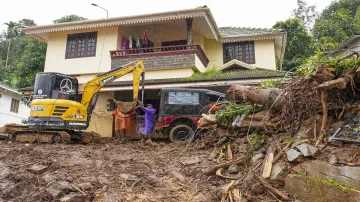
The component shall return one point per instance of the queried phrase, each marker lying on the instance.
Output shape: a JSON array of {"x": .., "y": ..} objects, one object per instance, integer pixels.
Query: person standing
[
  {"x": 123, "y": 123},
  {"x": 148, "y": 126}
]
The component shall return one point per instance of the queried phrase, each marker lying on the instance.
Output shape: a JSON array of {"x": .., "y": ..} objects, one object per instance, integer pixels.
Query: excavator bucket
[{"x": 127, "y": 107}]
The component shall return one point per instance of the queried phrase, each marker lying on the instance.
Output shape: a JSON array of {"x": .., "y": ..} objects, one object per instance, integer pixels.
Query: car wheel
[{"x": 181, "y": 133}]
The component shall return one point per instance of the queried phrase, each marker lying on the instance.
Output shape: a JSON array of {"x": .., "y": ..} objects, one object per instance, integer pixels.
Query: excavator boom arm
[{"x": 93, "y": 87}]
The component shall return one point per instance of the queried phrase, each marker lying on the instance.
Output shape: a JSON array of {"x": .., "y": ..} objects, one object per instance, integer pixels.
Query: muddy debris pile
[{"x": 280, "y": 144}]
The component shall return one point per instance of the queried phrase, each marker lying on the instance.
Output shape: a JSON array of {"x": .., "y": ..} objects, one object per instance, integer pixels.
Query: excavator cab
[{"x": 51, "y": 85}]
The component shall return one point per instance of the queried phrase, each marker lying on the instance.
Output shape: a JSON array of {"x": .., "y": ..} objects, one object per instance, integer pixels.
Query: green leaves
[{"x": 69, "y": 18}]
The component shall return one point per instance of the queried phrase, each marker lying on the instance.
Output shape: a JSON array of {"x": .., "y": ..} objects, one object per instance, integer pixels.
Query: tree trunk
[
  {"x": 270, "y": 97},
  {"x": 7, "y": 54}
]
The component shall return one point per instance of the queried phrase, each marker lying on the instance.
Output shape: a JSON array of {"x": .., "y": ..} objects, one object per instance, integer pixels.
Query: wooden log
[
  {"x": 268, "y": 162},
  {"x": 264, "y": 96},
  {"x": 325, "y": 117},
  {"x": 213, "y": 169},
  {"x": 229, "y": 152},
  {"x": 275, "y": 191}
]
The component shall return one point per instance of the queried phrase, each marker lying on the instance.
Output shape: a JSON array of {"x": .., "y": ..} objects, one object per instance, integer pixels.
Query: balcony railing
[{"x": 164, "y": 50}]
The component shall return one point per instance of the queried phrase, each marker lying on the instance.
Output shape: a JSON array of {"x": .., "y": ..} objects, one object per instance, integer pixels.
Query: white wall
[
  {"x": 265, "y": 54},
  {"x": 6, "y": 116}
]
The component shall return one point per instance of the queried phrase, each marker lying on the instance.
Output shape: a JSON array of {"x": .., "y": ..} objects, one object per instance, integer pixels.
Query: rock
[
  {"x": 47, "y": 178},
  {"x": 219, "y": 194},
  {"x": 249, "y": 178},
  {"x": 129, "y": 179},
  {"x": 294, "y": 156},
  {"x": 309, "y": 150},
  {"x": 333, "y": 159},
  {"x": 70, "y": 179},
  {"x": 213, "y": 154},
  {"x": 321, "y": 170},
  {"x": 4, "y": 170},
  {"x": 178, "y": 176},
  {"x": 257, "y": 188},
  {"x": 214, "y": 182},
  {"x": 234, "y": 168},
  {"x": 191, "y": 161},
  {"x": 37, "y": 169},
  {"x": 305, "y": 189},
  {"x": 103, "y": 180},
  {"x": 255, "y": 158},
  {"x": 57, "y": 190},
  {"x": 85, "y": 186},
  {"x": 278, "y": 174},
  {"x": 75, "y": 198}
]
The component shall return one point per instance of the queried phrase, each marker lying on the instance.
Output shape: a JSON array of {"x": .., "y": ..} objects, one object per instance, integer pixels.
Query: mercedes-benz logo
[{"x": 66, "y": 85}]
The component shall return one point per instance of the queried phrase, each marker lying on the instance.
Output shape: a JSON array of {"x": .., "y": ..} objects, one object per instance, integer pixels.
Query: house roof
[
  {"x": 344, "y": 45},
  {"x": 7, "y": 88},
  {"x": 241, "y": 31},
  {"x": 221, "y": 76},
  {"x": 236, "y": 62}
]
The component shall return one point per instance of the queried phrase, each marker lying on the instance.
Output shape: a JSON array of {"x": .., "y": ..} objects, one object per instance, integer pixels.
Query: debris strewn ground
[{"x": 104, "y": 172}]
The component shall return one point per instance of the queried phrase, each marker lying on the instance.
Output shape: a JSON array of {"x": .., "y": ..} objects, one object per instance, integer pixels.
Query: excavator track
[{"x": 24, "y": 134}]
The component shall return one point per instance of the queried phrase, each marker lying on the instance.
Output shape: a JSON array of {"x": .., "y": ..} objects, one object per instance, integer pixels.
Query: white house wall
[
  {"x": 6, "y": 116},
  {"x": 55, "y": 57}
]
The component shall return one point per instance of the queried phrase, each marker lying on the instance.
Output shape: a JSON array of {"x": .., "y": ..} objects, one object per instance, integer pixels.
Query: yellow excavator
[{"x": 59, "y": 112}]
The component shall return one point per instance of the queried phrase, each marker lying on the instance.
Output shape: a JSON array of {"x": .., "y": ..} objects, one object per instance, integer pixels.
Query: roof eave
[{"x": 234, "y": 38}]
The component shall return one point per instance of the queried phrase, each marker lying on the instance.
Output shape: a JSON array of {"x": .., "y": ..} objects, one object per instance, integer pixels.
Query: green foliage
[
  {"x": 209, "y": 74},
  {"x": 69, "y": 18},
  {"x": 299, "y": 43},
  {"x": 256, "y": 140},
  {"x": 227, "y": 115},
  {"x": 331, "y": 62},
  {"x": 330, "y": 182},
  {"x": 270, "y": 83}
]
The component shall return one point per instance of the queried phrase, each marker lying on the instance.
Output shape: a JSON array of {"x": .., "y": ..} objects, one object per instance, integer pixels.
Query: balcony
[{"x": 163, "y": 57}]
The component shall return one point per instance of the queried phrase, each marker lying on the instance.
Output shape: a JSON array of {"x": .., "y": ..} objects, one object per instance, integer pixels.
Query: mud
[{"x": 105, "y": 172}]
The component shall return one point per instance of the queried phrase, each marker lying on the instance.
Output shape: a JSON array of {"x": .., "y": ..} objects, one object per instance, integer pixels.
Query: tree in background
[
  {"x": 12, "y": 31},
  {"x": 338, "y": 22},
  {"x": 307, "y": 14},
  {"x": 299, "y": 43},
  {"x": 25, "y": 55},
  {"x": 69, "y": 18}
]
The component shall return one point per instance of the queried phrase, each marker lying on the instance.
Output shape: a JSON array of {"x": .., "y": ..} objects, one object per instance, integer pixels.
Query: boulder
[
  {"x": 309, "y": 150},
  {"x": 37, "y": 169},
  {"x": 57, "y": 190},
  {"x": 294, "y": 156},
  {"x": 213, "y": 154},
  {"x": 190, "y": 161},
  {"x": 233, "y": 169}
]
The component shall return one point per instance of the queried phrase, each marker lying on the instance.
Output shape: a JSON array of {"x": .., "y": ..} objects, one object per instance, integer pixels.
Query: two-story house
[
  {"x": 173, "y": 46},
  {"x": 12, "y": 110}
]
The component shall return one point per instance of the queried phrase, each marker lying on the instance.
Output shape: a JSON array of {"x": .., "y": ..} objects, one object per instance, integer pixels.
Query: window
[
  {"x": 184, "y": 98},
  {"x": 14, "y": 105},
  {"x": 81, "y": 45},
  {"x": 243, "y": 51}
]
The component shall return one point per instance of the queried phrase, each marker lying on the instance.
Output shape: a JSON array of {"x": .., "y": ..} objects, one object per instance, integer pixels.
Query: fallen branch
[
  {"x": 227, "y": 189},
  {"x": 325, "y": 117},
  {"x": 77, "y": 188},
  {"x": 213, "y": 170},
  {"x": 229, "y": 152},
  {"x": 272, "y": 189},
  {"x": 237, "y": 195},
  {"x": 218, "y": 173},
  {"x": 281, "y": 152},
  {"x": 268, "y": 162}
]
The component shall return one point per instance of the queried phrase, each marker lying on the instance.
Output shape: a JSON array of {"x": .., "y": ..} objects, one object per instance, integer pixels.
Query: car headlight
[{"x": 38, "y": 109}]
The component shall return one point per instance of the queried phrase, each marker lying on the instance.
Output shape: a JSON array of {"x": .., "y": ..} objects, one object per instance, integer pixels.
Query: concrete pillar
[{"x": 189, "y": 30}]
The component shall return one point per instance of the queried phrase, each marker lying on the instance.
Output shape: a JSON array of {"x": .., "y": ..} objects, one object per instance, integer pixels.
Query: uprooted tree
[{"x": 328, "y": 89}]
